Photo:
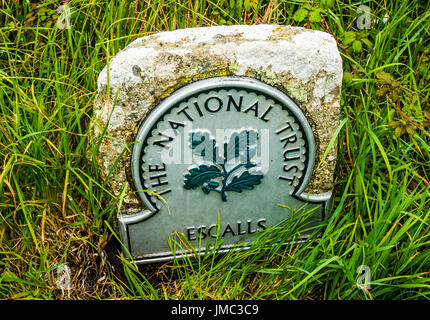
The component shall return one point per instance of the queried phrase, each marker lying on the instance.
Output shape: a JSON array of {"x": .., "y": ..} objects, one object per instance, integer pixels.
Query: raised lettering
[
  {"x": 231, "y": 101},
  {"x": 287, "y": 151},
  {"x": 186, "y": 113},
  {"x": 198, "y": 109},
  {"x": 152, "y": 168},
  {"x": 210, "y": 231},
  {"x": 228, "y": 229},
  {"x": 161, "y": 142},
  {"x": 265, "y": 113},
  {"x": 253, "y": 107},
  {"x": 291, "y": 167},
  {"x": 261, "y": 224},
  {"x": 291, "y": 138},
  {"x": 218, "y": 103},
  {"x": 287, "y": 127},
  {"x": 291, "y": 180},
  {"x": 240, "y": 232},
  {"x": 164, "y": 191},
  {"x": 158, "y": 178},
  {"x": 200, "y": 232},
  {"x": 190, "y": 234},
  {"x": 175, "y": 125}
]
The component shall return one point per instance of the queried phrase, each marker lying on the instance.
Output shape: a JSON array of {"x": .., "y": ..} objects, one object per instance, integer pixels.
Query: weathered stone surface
[{"x": 305, "y": 64}]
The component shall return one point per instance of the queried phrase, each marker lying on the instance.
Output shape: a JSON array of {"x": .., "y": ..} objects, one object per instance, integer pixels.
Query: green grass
[{"x": 55, "y": 209}]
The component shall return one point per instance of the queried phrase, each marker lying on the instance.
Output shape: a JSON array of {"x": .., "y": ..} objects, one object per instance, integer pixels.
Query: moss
[
  {"x": 285, "y": 32},
  {"x": 267, "y": 76},
  {"x": 233, "y": 67},
  {"x": 147, "y": 75},
  {"x": 296, "y": 93}
]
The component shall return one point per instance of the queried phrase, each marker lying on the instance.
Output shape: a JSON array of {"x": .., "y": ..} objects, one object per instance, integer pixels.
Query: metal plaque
[{"x": 218, "y": 156}]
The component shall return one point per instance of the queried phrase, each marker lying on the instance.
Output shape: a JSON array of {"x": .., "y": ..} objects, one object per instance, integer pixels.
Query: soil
[{"x": 155, "y": 273}]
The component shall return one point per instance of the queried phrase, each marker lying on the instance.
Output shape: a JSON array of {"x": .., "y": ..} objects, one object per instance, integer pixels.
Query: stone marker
[{"x": 221, "y": 124}]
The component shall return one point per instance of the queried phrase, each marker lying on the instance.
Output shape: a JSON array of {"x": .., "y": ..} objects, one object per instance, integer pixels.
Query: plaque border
[{"x": 159, "y": 111}]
